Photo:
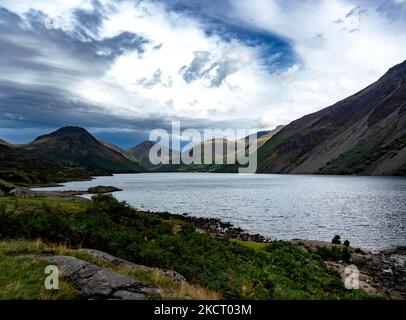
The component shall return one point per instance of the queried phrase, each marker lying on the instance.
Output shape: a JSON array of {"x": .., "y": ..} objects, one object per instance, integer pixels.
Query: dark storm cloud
[
  {"x": 24, "y": 40},
  {"x": 27, "y": 111},
  {"x": 41, "y": 106},
  {"x": 39, "y": 63}
]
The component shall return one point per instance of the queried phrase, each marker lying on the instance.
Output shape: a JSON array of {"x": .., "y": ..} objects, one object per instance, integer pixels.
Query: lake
[{"x": 369, "y": 211}]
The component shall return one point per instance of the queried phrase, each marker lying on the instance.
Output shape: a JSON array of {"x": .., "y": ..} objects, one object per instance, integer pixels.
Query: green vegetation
[
  {"x": 21, "y": 167},
  {"x": 362, "y": 155},
  {"x": 335, "y": 253},
  {"x": 22, "y": 277},
  {"x": 336, "y": 239},
  {"x": 235, "y": 270}
]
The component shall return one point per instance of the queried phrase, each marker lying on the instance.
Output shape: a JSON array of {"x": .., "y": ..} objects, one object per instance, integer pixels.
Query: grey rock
[
  {"x": 103, "y": 189},
  {"x": 105, "y": 257},
  {"x": 95, "y": 282},
  {"x": 387, "y": 268},
  {"x": 128, "y": 295}
]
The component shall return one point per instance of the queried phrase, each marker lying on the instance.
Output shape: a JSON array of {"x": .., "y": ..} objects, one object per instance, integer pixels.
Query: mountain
[
  {"x": 21, "y": 167},
  {"x": 117, "y": 149},
  {"x": 140, "y": 153},
  {"x": 241, "y": 144},
  {"x": 264, "y": 136},
  {"x": 363, "y": 134},
  {"x": 3, "y": 142},
  {"x": 74, "y": 146}
]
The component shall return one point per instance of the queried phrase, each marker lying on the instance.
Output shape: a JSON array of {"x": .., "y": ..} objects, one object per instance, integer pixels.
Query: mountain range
[{"x": 363, "y": 134}]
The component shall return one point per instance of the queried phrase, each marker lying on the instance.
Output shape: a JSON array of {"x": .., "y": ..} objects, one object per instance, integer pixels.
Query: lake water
[{"x": 369, "y": 211}]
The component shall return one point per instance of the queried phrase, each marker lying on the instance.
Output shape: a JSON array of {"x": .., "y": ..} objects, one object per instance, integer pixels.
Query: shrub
[
  {"x": 336, "y": 239},
  {"x": 334, "y": 254}
]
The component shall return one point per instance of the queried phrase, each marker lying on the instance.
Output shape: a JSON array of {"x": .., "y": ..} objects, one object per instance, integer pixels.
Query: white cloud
[
  {"x": 342, "y": 45},
  {"x": 338, "y": 59},
  {"x": 181, "y": 39}
]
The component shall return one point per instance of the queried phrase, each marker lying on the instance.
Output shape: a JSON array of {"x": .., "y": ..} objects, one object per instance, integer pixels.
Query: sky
[{"x": 123, "y": 68}]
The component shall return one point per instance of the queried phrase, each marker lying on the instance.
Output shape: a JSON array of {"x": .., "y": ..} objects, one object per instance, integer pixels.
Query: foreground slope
[{"x": 363, "y": 134}]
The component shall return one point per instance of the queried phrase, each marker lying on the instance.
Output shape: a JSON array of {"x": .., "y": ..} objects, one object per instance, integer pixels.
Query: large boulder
[
  {"x": 95, "y": 282},
  {"x": 108, "y": 258},
  {"x": 103, "y": 189}
]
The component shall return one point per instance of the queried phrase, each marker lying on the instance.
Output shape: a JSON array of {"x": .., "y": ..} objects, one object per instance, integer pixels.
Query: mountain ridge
[{"x": 345, "y": 138}]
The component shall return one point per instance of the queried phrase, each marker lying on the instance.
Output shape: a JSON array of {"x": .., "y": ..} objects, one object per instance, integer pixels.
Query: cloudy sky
[{"x": 123, "y": 68}]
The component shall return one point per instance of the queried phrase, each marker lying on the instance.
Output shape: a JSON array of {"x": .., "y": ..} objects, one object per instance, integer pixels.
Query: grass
[
  {"x": 21, "y": 205},
  {"x": 214, "y": 267},
  {"x": 252, "y": 245},
  {"x": 22, "y": 277}
]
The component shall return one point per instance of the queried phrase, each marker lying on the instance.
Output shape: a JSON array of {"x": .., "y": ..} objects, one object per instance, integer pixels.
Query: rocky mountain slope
[{"x": 363, "y": 134}]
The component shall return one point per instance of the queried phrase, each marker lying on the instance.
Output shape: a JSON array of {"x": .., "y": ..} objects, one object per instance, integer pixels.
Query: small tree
[
  {"x": 347, "y": 243},
  {"x": 336, "y": 239}
]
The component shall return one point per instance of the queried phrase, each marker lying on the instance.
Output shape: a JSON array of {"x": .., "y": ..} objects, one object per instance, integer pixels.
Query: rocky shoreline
[
  {"x": 220, "y": 228},
  {"x": 23, "y": 192}
]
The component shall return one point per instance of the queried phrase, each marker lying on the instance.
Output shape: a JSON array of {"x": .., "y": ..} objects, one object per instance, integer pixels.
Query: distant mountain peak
[{"x": 68, "y": 132}]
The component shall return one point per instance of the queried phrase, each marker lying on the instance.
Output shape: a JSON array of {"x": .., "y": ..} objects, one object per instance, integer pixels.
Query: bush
[
  {"x": 347, "y": 243},
  {"x": 336, "y": 239},
  {"x": 335, "y": 254}
]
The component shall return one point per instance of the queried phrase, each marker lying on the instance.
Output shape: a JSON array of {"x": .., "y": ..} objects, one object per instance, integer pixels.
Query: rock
[
  {"x": 105, "y": 257},
  {"x": 127, "y": 295},
  {"x": 103, "y": 189},
  {"x": 221, "y": 228},
  {"x": 387, "y": 268},
  {"x": 23, "y": 193},
  {"x": 95, "y": 282}
]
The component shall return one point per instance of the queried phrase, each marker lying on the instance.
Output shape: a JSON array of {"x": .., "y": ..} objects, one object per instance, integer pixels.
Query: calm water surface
[{"x": 369, "y": 211}]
